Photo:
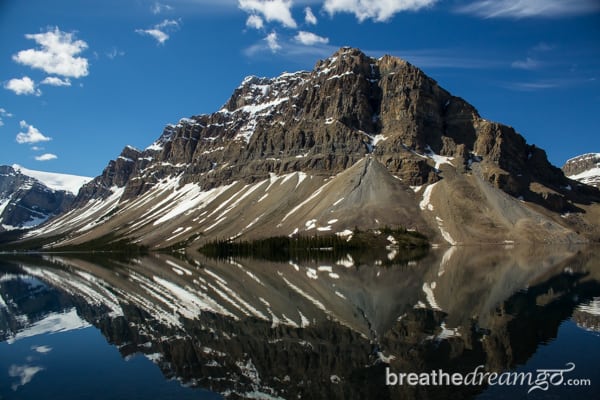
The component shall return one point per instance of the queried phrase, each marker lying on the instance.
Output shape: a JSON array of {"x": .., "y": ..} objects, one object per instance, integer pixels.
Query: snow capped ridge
[
  {"x": 29, "y": 198},
  {"x": 584, "y": 157},
  {"x": 584, "y": 168},
  {"x": 56, "y": 181}
]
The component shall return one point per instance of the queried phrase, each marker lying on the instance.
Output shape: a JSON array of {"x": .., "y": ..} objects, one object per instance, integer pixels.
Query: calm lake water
[{"x": 88, "y": 326}]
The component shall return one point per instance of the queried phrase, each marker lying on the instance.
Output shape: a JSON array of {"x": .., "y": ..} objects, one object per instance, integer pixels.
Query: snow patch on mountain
[
  {"x": 55, "y": 181},
  {"x": 584, "y": 168},
  {"x": 589, "y": 177}
]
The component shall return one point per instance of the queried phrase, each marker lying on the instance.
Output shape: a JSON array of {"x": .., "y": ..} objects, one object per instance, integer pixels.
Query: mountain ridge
[
  {"x": 299, "y": 140},
  {"x": 584, "y": 168},
  {"x": 29, "y": 198}
]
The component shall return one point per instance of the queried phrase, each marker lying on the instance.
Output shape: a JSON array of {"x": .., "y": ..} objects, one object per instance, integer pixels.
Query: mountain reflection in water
[{"x": 252, "y": 328}]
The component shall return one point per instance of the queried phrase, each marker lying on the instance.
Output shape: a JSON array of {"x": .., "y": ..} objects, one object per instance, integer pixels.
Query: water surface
[{"x": 88, "y": 326}]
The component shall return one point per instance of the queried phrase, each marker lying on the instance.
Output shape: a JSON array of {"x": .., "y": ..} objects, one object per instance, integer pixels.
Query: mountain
[
  {"x": 28, "y": 197},
  {"x": 54, "y": 181},
  {"x": 357, "y": 142},
  {"x": 584, "y": 168}
]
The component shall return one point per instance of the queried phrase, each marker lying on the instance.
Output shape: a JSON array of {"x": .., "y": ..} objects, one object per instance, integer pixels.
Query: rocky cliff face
[
  {"x": 327, "y": 127},
  {"x": 26, "y": 202},
  {"x": 584, "y": 168}
]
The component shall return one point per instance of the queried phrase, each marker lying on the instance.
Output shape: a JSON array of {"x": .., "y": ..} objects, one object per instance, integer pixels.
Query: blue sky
[{"x": 80, "y": 79}]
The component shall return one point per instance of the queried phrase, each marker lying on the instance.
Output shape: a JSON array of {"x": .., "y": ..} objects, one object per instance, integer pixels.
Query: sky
[{"x": 81, "y": 79}]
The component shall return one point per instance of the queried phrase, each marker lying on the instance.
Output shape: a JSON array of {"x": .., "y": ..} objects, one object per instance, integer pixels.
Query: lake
[{"x": 474, "y": 322}]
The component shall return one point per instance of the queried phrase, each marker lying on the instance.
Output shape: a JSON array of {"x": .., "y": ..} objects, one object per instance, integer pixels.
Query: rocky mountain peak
[
  {"x": 359, "y": 122},
  {"x": 327, "y": 119},
  {"x": 347, "y": 61},
  {"x": 584, "y": 168}
]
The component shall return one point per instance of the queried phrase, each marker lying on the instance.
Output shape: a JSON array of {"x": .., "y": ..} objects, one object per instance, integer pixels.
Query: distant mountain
[
  {"x": 29, "y": 198},
  {"x": 584, "y": 168},
  {"x": 61, "y": 182},
  {"x": 356, "y": 142}
]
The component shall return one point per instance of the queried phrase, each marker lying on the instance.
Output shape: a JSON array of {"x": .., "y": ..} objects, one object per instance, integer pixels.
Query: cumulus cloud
[
  {"x": 160, "y": 32},
  {"x": 57, "y": 54},
  {"x": 529, "y": 8},
  {"x": 31, "y": 135},
  {"x": 25, "y": 86},
  {"x": 254, "y": 21},
  {"x": 309, "y": 17},
  {"x": 273, "y": 42},
  {"x": 46, "y": 157},
  {"x": 271, "y": 10},
  {"x": 54, "y": 81},
  {"x": 376, "y": 10},
  {"x": 309, "y": 38}
]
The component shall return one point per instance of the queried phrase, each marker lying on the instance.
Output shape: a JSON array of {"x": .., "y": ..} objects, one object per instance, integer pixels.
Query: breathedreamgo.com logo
[{"x": 540, "y": 379}]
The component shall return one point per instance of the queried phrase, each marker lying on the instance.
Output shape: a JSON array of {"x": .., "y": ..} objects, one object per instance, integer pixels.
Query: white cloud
[
  {"x": 309, "y": 38},
  {"x": 167, "y": 23},
  {"x": 57, "y": 54},
  {"x": 54, "y": 81},
  {"x": 271, "y": 10},
  {"x": 160, "y": 36},
  {"x": 159, "y": 31},
  {"x": 158, "y": 8},
  {"x": 273, "y": 42},
  {"x": 530, "y": 8},
  {"x": 46, "y": 157},
  {"x": 254, "y": 21},
  {"x": 309, "y": 17},
  {"x": 25, "y": 86},
  {"x": 4, "y": 114},
  {"x": 32, "y": 135},
  {"x": 289, "y": 48},
  {"x": 376, "y": 10}
]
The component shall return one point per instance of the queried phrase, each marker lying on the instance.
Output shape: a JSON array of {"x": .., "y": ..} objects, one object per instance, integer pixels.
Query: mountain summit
[{"x": 356, "y": 142}]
